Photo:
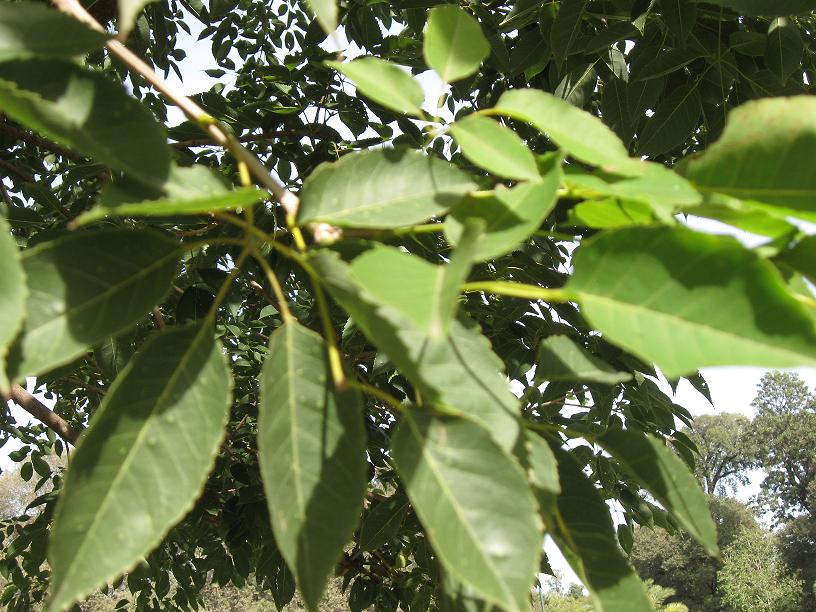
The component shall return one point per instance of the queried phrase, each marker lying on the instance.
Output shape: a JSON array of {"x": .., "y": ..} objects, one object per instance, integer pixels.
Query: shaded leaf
[
  {"x": 384, "y": 83},
  {"x": 128, "y": 13},
  {"x": 86, "y": 287},
  {"x": 383, "y": 521},
  {"x": 142, "y": 462},
  {"x": 675, "y": 117},
  {"x": 566, "y": 28},
  {"x": 311, "y": 449},
  {"x": 763, "y": 7},
  {"x": 667, "y": 478},
  {"x": 680, "y": 16},
  {"x": 85, "y": 111},
  {"x": 686, "y": 300},
  {"x": 382, "y": 188},
  {"x": 559, "y": 358},
  {"x": 495, "y": 148},
  {"x": 784, "y": 48},
  {"x": 29, "y": 30},
  {"x": 510, "y": 215},
  {"x": 454, "y": 45},
  {"x": 474, "y": 503},
  {"x": 583, "y": 530},
  {"x": 13, "y": 294},
  {"x": 802, "y": 257}
]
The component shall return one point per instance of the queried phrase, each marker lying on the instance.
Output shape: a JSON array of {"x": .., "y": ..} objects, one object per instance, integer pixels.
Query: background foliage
[{"x": 283, "y": 388}]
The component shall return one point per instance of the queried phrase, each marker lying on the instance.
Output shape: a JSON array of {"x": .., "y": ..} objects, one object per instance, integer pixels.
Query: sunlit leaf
[
  {"x": 454, "y": 45},
  {"x": 326, "y": 13},
  {"x": 559, "y": 358},
  {"x": 735, "y": 309},
  {"x": 382, "y": 188},
  {"x": 495, "y": 148},
  {"x": 385, "y": 83},
  {"x": 128, "y": 14}
]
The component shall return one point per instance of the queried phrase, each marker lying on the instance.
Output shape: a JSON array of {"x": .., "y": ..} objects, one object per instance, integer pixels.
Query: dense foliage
[{"x": 313, "y": 376}]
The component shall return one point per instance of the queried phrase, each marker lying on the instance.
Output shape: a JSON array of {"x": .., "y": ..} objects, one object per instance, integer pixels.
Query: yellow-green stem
[
  {"x": 280, "y": 296},
  {"x": 519, "y": 290}
]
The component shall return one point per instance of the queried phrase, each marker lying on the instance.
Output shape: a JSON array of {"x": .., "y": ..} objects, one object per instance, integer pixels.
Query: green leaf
[
  {"x": 86, "y": 287},
  {"x": 743, "y": 216},
  {"x": 566, "y": 28},
  {"x": 764, "y": 8},
  {"x": 458, "y": 372},
  {"x": 29, "y": 30},
  {"x": 454, "y": 45},
  {"x": 384, "y": 83},
  {"x": 13, "y": 294},
  {"x": 382, "y": 188},
  {"x": 610, "y": 213},
  {"x": 578, "y": 133},
  {"x": 128, "y": 14},
  {"x": 559, "y": 358},
  {"x": 431, "y": 299},
  {"x": 675, "y": 117},
  {"x": 542, "y": 469},
  {"x": 747, "y": 162},
  {"x": 142, "y": 463},
  {"x": 667, "y": 478},
  {"x": 784, "y": 48},
  {"x": 383, "y": 521},
  {"x": 510, "y": 215},
  {"x": 474, "y": 503},
  {"x": 326, "y": 13},
  {"x": 583, "y": 531},
  {"x": 680, "y": 17},
  {"x": 228, "y": 200},
  {"x": 495, "y": 148},
  {"x": 686, "y": 300},
  {"x": 85, "y": 111},
  {"x": 802, "y": 257},
  {"x": 661, "y": 188},
  {"x": 311, "y": 449}
]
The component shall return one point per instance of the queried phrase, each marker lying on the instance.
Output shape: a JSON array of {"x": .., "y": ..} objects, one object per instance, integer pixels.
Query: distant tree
[
  {"x": 754, "y": 577},
  {"x": 675, "y": 561},
  {"x": 797, "y": 545},
  {"x": 785, "y": 433},
  {"x": 724, "y": 442}
]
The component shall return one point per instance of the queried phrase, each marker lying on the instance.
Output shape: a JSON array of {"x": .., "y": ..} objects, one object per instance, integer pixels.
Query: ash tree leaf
[
  {"x": 566, "y": 28},
  {"x": 743, "y": 216},
  {"x": 385, "y": 83},
  {"x": 583, "y": 531},
  {"x": 86, "y": 287},
  {"x": 784, "y": 48},
  {"x": 29, "y": 30},
  {"x": 13, "y": 294},
  {"x": 680, "y": 17},
  {"x": 802, "y": 257},
  {"x": 383, "y": 521},
  {"x": 143, "y": 461},
  {"x": 382, "y": 188},
  {"x": 128, "y": 13},
  {"x": 495, "y": 148},
  {"x": 474, "y": 503},
  {"x": 85, "y": 111},
  {"x": 311, "y": 449},
  {"x": 510, "y": 215},
  {"x": 764, "y": 8},
  {"x": 458, "y": 372},
  {"x": 675, "y": 117},
  {"x": 667, "y": 478},
  {"x": 560, "y": 358},
  {"x": 659, "y": 187},
  {"x": 195, "y": 205},
  {"x": 542, "y": 469},
  {"x": 326, "y": 13},
  {"x": 578, "y": 133},
  {"x": 755, "y": 160},
  {"x": 610, "y": 213},
  {"x": 454, "y": 45},
  {"x": 686, "y": 300}
]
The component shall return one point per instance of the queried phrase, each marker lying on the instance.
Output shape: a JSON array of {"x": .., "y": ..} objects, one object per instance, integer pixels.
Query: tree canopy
[{"x": 323, "y": 326}]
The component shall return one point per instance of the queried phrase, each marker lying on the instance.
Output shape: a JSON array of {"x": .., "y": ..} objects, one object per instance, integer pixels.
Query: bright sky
[{"x": 732, "y": 388}]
